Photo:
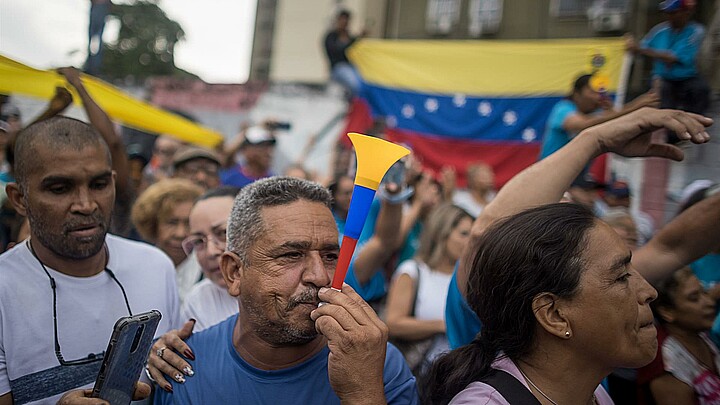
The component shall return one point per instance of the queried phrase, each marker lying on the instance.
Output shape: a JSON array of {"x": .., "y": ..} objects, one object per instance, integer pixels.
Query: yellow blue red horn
[{"x": 374, "y": 158}]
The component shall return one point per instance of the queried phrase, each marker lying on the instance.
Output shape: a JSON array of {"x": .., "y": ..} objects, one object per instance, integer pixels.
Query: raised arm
[
  {"x": 60, "y": 101},
  {"x": 545, "y": 181},
  {"x": 381, "y": 246},
  {"x": 102, "y": 123},
  {"x": 578, "y": 122},
  {"x": 685, "y": 239}
]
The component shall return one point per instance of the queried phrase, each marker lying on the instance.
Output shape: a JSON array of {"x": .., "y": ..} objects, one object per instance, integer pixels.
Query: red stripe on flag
[
  {"x": 506, "y": 158},
  {"x": 359, "y": 120}
]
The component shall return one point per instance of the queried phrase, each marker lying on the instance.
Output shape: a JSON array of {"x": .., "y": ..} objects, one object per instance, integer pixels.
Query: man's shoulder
[
  {"x": 14, "y": 261},
  {"x": 564, "y": 105},
  {"x": 128, "y": 249},
  {"x": 212, "y": 336},
  {"x": 659, "y": 28},
  {"x": 696, "y": 32}
]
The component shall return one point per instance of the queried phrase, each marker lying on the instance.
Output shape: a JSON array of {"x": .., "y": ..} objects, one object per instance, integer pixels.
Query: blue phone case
[{"x": 125, "y": 357}]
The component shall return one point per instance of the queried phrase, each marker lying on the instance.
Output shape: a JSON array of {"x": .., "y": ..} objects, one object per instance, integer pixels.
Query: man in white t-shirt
[
  {"x": 62, "y": 290},
  {"x": 209, "y": 302}
]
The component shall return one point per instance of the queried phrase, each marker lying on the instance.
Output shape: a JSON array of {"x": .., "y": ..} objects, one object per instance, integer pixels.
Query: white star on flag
[
  {"x": 485, "y": 109},
  {"x": 391, "y": 121},
  {"x": 510, "y": 118},
  {"x": 431, "y": 105},
  {"x": 529, "y": 135},
  {"x": 408, "y": 111},
  {"x": 459, "y": 100}
]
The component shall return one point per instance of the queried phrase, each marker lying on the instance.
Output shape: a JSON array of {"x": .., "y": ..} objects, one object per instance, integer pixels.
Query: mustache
[
  {"x": 94, "y": 219},
  {"x": 309, "y": 296}
]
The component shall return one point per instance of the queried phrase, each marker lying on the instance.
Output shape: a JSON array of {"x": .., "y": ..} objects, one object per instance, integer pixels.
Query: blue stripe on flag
[{"x": 462, "y": 117}]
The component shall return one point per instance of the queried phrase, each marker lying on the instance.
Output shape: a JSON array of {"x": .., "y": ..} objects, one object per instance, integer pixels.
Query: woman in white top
[
  {"x": 209, "y": 301},
  {"x": 416, "y": 300}
]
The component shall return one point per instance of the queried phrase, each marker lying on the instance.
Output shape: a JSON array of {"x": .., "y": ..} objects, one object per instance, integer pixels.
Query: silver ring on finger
[{"x": 160, "y": 351}]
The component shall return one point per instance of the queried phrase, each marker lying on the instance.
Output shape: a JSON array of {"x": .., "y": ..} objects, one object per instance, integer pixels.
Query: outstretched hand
[{"x": 631, "y": 134}]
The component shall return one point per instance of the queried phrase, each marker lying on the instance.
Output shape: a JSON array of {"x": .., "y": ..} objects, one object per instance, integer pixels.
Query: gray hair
[{"x": 246, "y": 226}]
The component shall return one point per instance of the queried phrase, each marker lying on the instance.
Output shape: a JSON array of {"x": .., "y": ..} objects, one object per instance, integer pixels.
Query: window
[
  {"x": 442, "y": 16},
  {"x": 580, "y": 8},
  {"x": 484, "y": 17}
]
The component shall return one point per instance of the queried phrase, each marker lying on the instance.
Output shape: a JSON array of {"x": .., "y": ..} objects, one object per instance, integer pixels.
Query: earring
[{"x": 567, "y": 333}]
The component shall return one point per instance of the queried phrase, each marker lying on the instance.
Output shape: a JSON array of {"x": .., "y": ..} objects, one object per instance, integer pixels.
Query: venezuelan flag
[{"x": 458, "y": 102}]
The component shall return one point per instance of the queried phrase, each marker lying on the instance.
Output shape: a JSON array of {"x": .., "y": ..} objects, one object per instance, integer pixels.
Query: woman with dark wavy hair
[{"x": 561, "y": 307}]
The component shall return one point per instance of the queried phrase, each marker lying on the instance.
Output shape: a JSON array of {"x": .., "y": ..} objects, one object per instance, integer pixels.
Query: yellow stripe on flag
[
  {"x": 16, "y": 78},
  {"x": 488, "y": 67}
]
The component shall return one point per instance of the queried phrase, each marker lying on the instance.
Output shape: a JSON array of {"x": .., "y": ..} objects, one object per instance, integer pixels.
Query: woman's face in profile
[
  {"x": 693, "y": 309},
  {"x": 610, "y": 317}
]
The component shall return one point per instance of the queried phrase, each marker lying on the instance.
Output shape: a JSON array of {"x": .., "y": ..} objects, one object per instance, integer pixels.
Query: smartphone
[{"x": 125, "y": 357}]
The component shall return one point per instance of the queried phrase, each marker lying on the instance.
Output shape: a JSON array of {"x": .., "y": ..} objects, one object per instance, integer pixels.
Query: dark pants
[{"x": 692, "y": 95}]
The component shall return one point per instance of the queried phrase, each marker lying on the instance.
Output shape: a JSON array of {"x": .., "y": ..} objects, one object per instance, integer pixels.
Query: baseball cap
[
  {"x": 192, "y": 153},
  {"x": 669, "y": 6},
  {"x": 618, "y": 189},
  {"x": 258, "y": 136}
]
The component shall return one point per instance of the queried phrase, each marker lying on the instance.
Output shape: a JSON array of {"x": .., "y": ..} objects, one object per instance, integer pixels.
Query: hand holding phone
[{"x": 125, "y": 357}]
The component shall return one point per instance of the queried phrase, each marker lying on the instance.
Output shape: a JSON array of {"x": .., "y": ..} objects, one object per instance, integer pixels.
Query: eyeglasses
[
  {"x": 191, "y": 169},
  {"x": 92, "y": 357},
  {"x": 218, "y": 236}
]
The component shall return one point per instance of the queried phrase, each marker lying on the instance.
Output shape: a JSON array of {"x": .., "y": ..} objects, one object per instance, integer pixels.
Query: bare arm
[
  {"x": 6, "y": 399},
  {"x": 102, "y": 123},
  {"x": 578, "y": 122},
  {"x": 668, "y": 390},
  {"x": 426, "y": 198},
  {"x": 381, "y": 246},
  {"x": 60, "y": 101},
  {"x": 685, "y": 239},
  {"x": 401, "y": 323},
  {"x": 545, "y": 181},
  {"x": 632, "y": 46}
]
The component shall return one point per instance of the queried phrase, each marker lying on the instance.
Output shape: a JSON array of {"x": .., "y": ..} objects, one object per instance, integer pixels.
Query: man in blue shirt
[
  {"x": 584, "y": 107},
  {"x": 257, "y": 145},
  {"x": 673, "y": 46},
  {"x": 282, "y": 249}
]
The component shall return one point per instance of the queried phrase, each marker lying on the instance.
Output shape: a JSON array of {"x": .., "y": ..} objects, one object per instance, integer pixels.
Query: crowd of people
[{"x": 554, "y": 289}]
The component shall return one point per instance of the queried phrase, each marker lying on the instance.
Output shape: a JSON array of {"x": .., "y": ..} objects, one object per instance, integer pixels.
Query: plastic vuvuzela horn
[{"x": 374, "y": 158}]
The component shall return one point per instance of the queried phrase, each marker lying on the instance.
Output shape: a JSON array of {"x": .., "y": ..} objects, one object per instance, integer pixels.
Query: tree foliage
[{"x": 145, "y": 44}]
